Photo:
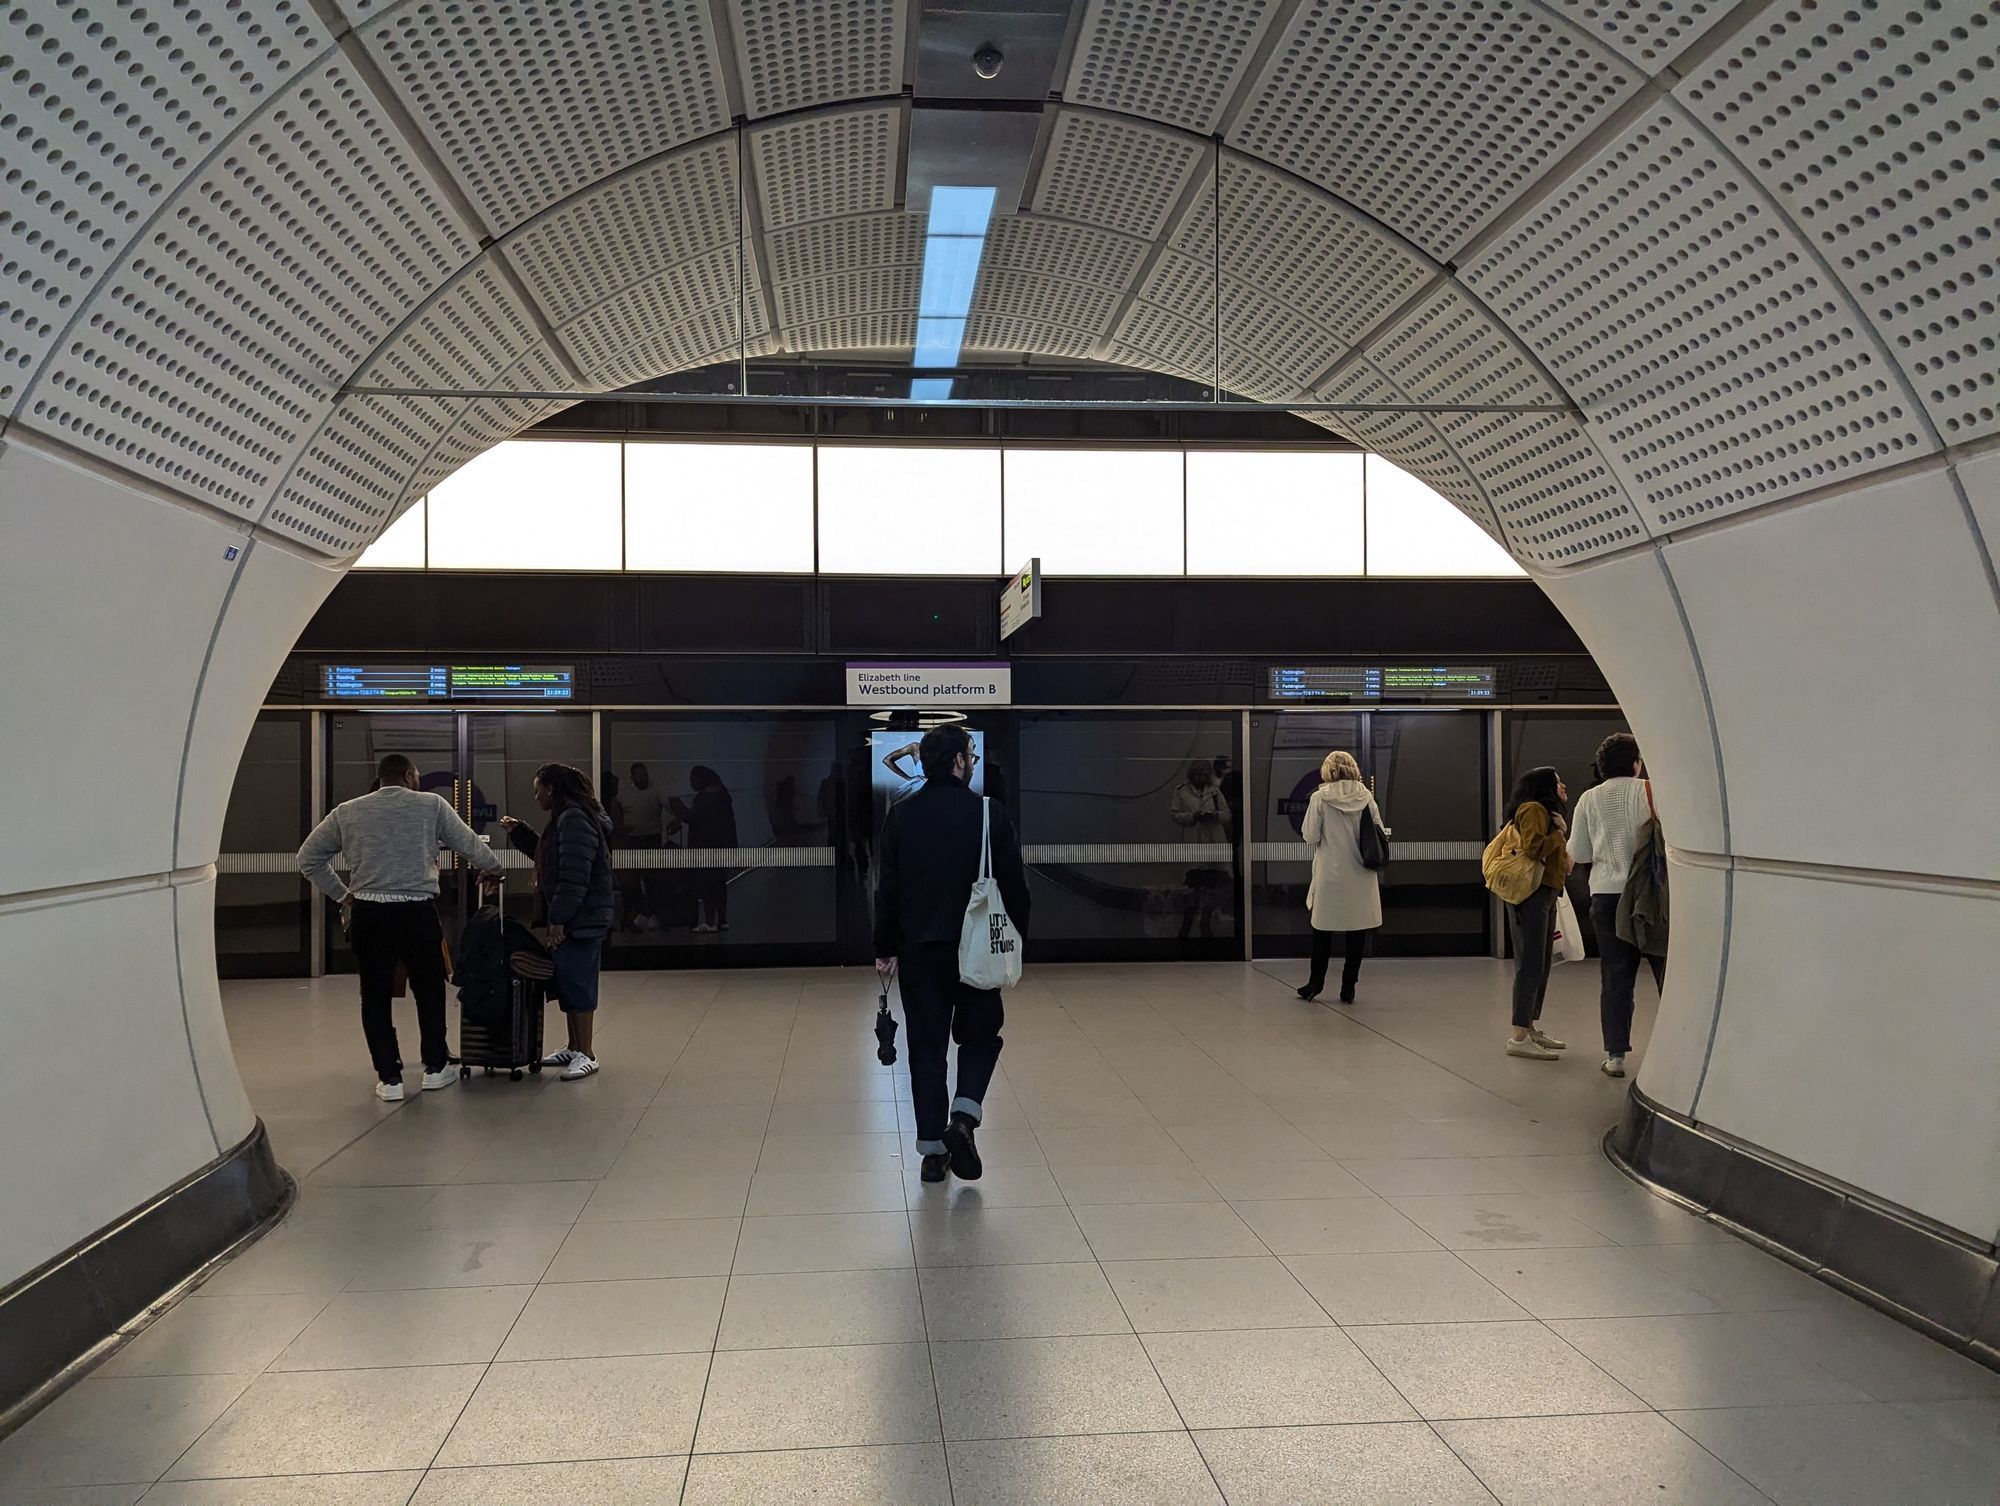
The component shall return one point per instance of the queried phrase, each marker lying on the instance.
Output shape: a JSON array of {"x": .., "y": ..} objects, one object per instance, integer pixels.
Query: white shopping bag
[
  {"x": 1569, "y": 940},
  {"x": 989, "y": 948}
]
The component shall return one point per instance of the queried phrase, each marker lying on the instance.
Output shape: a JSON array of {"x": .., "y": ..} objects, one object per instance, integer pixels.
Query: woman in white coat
[{"x": 1345, "y": 895}]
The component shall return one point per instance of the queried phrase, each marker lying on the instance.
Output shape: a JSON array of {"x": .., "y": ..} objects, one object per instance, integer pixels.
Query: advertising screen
[{"x": 895, "y": 772}]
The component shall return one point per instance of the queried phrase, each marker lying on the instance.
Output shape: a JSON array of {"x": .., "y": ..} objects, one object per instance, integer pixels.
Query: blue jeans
[{"x": 577, "y": 962}]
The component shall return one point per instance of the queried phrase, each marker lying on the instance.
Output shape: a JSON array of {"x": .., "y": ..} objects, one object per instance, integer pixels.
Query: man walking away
[
  {"x": 926, "y": 862},
  {"x": 391, "y": 837}
]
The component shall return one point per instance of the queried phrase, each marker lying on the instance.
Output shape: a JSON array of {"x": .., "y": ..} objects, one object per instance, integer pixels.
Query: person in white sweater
[
  {"x": 1606, "y": 824},
  {"x": 1346, "y": 895}
]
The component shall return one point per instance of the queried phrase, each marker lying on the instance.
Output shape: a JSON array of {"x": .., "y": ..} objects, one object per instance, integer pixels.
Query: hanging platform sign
[
  {"x": 982, "y": 684},
  {"x": 1021, "y": 599}
]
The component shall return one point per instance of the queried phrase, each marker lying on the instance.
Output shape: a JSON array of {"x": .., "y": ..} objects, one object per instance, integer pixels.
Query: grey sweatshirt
[{"x": 391, "y": 839}]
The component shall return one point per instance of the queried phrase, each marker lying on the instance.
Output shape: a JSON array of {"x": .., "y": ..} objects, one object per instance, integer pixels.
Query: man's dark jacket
[{"x": 927, "y": 860}]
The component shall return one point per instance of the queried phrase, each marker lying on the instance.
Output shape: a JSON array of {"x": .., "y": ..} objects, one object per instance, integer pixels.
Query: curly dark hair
[{"x": 1617, "y": 756}]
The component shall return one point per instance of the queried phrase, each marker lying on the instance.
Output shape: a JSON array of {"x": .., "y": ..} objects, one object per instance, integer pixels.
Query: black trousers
[
  {"x": 1617, "y": 973},
  {"x": 382, "y": 936},
  {"x": 937, "y": 1009},
  {"x": 1533, "y": 922},
  {"x": 1350, "y": 969}
]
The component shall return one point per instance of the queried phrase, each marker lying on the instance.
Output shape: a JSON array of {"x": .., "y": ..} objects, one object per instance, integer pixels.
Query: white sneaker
[
  {"x": 1542, "y": 1038},
  {"x": 1531, "y": 1048},
  {"x": 389, "y": 1092},
  {"x": 645, "y": 923},
  {"x": 435, "y": 1080},
  {"x": 1614, "y": 1066},
  {"x": 704, "y": 929},
  {"x": 580, "y": 1066},
  {"x": 560, "y": 1058}
]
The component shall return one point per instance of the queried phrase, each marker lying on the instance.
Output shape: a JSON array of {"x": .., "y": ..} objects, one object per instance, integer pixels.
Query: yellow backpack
[{"x": 1508, "y": 871}]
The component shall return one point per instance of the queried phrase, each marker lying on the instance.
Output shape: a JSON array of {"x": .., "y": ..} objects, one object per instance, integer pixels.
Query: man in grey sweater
[{"x": 390, "y": 838}]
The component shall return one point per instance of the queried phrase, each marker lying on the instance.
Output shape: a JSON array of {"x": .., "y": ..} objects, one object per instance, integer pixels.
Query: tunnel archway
[{"x": 1749, "y": 246}]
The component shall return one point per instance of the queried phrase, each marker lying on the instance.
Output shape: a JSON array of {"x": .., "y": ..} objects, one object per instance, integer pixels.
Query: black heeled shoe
[{"x": 1311, "y": 991}]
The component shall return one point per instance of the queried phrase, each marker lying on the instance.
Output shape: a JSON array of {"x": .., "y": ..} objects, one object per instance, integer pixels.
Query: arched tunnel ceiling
[{"x": 1720, "y": 231}]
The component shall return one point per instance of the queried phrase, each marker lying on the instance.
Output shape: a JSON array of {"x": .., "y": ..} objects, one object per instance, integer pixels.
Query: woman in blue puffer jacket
[{"x": 572, "y": 858}]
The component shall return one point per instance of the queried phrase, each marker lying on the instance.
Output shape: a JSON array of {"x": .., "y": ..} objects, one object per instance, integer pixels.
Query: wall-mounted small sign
[{"x": 1021, "y": 599}]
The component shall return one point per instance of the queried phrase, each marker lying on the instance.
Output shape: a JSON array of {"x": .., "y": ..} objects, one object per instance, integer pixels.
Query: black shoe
[
  {"x": 1347, "y": 994},
  {"x": 934, "y": 1168},
  {"x": 965, "y": 1163},
  {"x": 1311, "y": 991}
]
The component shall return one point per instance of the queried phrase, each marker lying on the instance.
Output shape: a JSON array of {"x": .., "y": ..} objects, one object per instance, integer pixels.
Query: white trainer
[
  {"x": 560, "y": 1058},
  {"x": 580, "y": 1066},
  {"x": 435, "y": 1080},
  {"x": 389, "y": 1092},
  {"x": 1614, "y": 1066},
  {"x": 1531, "y": 1048},
  {"x": 1542, "y": 1038}
]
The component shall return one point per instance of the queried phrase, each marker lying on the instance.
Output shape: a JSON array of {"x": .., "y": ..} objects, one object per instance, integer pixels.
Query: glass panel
[
  {"x": 401, "y": 546},
  {"x": 1412, "y": 530},
  {"x": 909, "y": 511},
  {"x": 1130, "y": 850},
  {"x": 1429, "y": 770},
  {"x": 728, "y": 827},
  {"x": 1286, "y": 751},
  {"x": 1095, "y": 512},
  {"x": 539, "y": 504},
  {"x": 355, "y": 743},
  {"x": 507, "y": 748},
  {"x": 1273, "y": 512},
  {"x": 263, "y": 915},
  {"x": 723, "y": 507}
]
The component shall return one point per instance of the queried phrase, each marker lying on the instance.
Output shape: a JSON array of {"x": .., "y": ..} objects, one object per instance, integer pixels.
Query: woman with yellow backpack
[{"x": 1527, "y": 865}]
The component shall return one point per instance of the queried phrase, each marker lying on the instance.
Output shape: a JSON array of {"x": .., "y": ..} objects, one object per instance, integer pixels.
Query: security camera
[{"x": 986, "y": 62}]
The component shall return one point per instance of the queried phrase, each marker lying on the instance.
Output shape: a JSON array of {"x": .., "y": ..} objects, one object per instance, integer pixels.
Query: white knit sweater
[{"x": 1606, "y": 824}]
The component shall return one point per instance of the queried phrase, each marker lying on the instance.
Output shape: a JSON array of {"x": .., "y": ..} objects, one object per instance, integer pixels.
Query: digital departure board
[
  {"x": 1361, "y": 683},
  {"x": 448, "y": 682}
]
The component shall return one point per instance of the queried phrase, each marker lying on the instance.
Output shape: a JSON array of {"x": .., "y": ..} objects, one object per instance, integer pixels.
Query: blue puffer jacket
[{"x": 572, "y": 870}]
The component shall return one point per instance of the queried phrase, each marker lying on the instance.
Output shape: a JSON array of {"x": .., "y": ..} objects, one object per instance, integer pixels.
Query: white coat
[{"x": 1345, "y": 895}]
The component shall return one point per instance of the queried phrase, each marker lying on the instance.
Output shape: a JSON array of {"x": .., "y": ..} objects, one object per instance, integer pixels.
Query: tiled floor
[{"x": 1228, "y": 1246}]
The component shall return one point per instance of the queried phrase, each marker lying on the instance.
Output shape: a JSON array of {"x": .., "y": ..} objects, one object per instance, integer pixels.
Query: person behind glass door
[
  {"x": 388, "y": 905},
  {"x": 572, "y": 858},
  {"x": 1345, "y": 894},
  {"x": 926, "y": 861},
  {"x": 711, "y": 823},
  {"x": 646, "y": 821},
  {"x": 1539, "y": 806},
  {"x": 1199, "y": 809},
  {"x": 1608, "y": 817}
]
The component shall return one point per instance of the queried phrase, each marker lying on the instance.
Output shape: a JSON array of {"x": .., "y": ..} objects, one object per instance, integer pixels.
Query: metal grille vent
[
  {"x": 1115, "y": 174},
  {"x": 798, "y": 53},
  {"x": 1428, "y": 114},
  {"x": 827, "y": 166},
  {"x": 1821, "y": 104},
  {"x": 211, "y": 353},
  {"x": 1709, "y": 356},
  {"x": 103, "y": 116},
  {"x": 628, "y": 229},
  {"x": 1174, "y": 62},
  {"x": 532, "y": 101}
]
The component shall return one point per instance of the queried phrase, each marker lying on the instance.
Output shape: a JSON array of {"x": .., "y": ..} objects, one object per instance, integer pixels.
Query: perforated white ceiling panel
[
  {"x": 1004, "y": 293},
  {"x": 885, "y": 331},
  {"x": 1649, "y": 32},
  {"x": 815, "y": 300},
  {"x": 208, "y": 359},
  {"x": 1875, "y": 126},
  {"x": 1003, "y": 332},
  {"x": 610, "y": 237},
  {"x": 1170, "y": 60},
  {"x": 824, "y": 167},
  {"x": 687, "y": 316},
  {"x": 1409, "y": 439},
  {"x": 1713, "y": 362},
  {"x": 868, "y": 240},
  {"x": 798, "y": 53},
  {"x": 1056, "y": 248},
  {"x": 101, "y": 117},
  {"x": 530, "y": 101},
  {"x": 486, "y": 421},
  {"x": 1430, "y": 115},
  {"x": 1117, "y": 174}
]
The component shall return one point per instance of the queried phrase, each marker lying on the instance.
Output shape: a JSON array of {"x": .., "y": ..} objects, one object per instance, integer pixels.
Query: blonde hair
[{"x": 1339, "y": 764}]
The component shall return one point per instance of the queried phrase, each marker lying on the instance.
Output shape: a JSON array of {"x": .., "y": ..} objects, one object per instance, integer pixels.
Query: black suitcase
[{"x": 505, "y": 1044}]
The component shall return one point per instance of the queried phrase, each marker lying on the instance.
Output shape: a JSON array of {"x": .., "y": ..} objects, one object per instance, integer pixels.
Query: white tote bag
[
  {"x": 1569, "y": 939},
  {"x": 989, "y": 948}
]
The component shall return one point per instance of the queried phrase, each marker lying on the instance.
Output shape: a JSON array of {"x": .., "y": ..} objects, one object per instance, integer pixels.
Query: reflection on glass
[
  {"x": 1130, "y": 829},
  {"x": 263, "y": 910},
  {"x": 506, "y": 750}
]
